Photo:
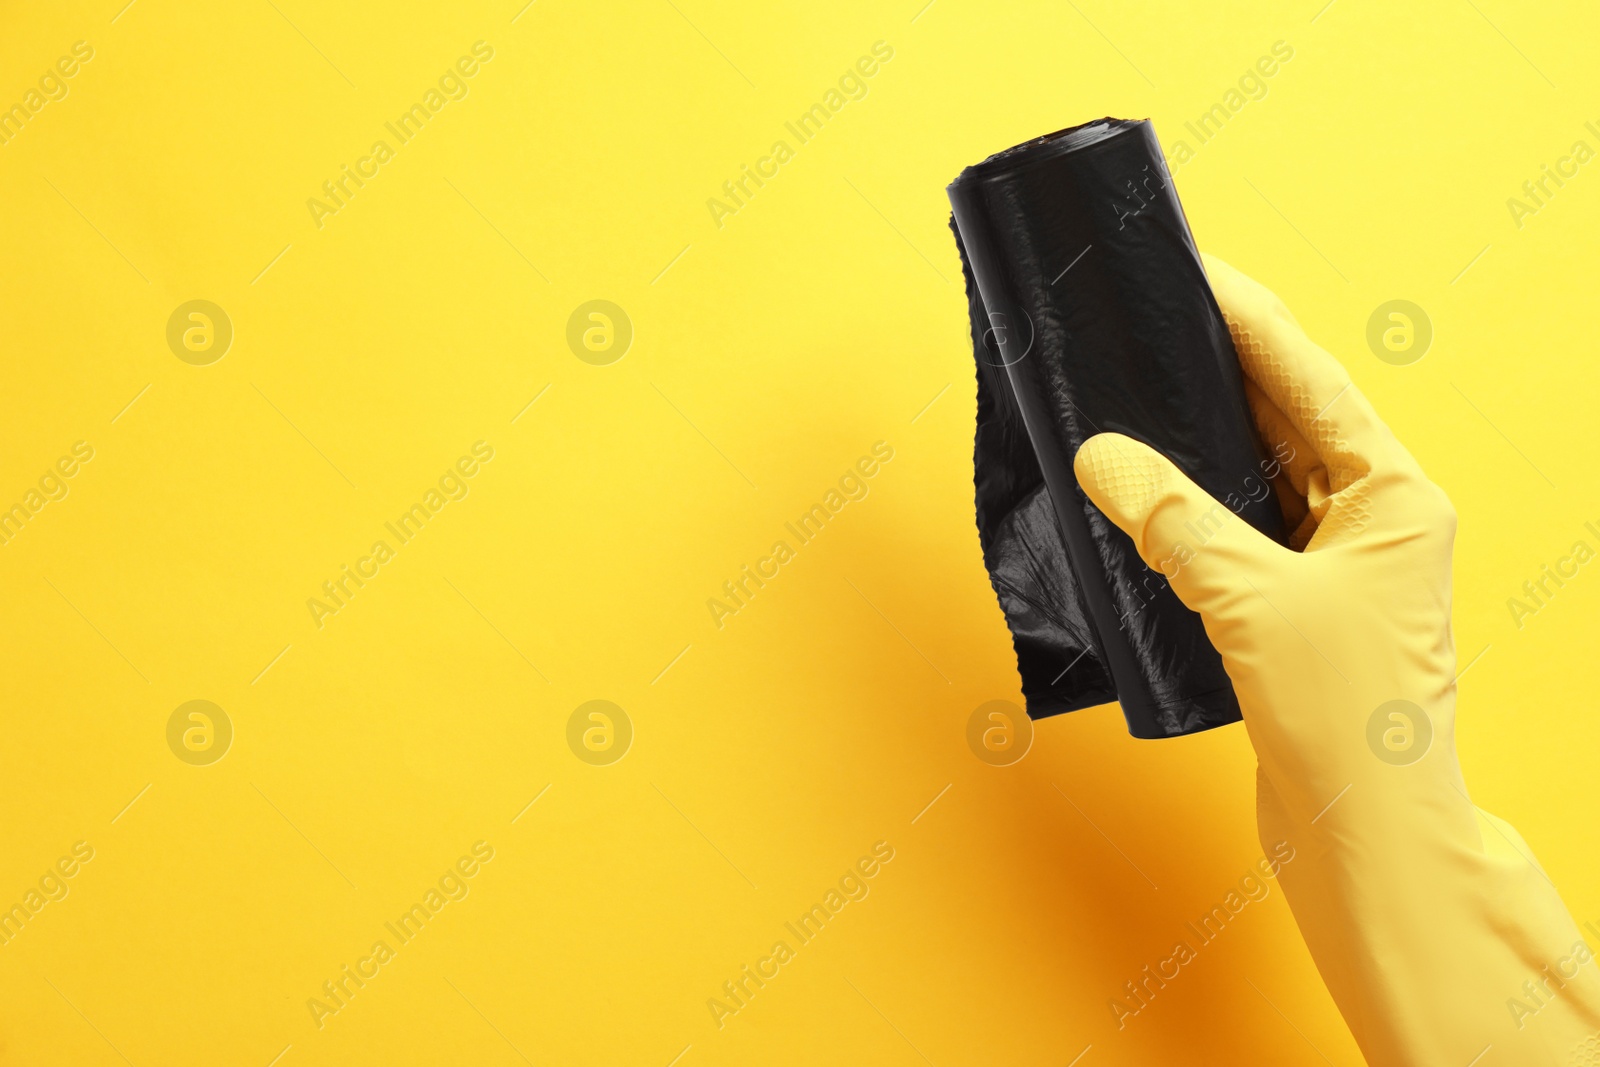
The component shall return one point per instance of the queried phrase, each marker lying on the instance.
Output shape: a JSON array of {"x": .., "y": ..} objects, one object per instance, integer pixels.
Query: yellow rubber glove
[{"x": 1437, "y": 932}]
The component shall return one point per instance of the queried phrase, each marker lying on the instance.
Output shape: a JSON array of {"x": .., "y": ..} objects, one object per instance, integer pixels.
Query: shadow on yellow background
[{"x": 367, "y": 339}]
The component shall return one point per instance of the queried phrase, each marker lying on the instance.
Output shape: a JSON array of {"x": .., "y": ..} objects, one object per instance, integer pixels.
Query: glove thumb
[{"x": 1204, "y": 550}]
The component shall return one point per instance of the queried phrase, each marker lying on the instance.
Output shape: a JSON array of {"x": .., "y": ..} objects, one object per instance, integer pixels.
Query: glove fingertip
[{"x": 1123, "y": 477}]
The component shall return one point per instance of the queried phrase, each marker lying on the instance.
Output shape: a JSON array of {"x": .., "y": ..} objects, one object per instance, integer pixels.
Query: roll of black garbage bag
[{"x": 1091, "y": 312}]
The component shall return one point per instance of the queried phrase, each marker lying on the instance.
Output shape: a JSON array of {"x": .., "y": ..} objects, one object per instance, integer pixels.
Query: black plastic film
[{"x": 1091, "y": 312}]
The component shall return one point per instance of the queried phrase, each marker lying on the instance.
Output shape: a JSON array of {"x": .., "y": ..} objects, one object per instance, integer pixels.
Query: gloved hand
[{"x": 1435, "y": 929}]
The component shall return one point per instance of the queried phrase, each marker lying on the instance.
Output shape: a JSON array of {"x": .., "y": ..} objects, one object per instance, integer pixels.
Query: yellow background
[{"x": 770, "y": 754}]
